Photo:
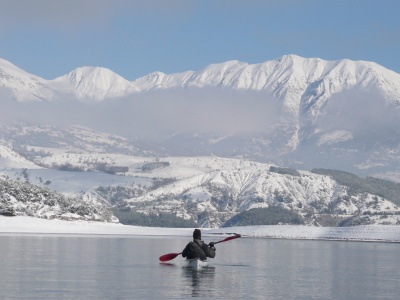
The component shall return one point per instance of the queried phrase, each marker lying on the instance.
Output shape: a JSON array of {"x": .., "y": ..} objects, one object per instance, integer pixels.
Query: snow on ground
[
  {"x": 377, "y": 233},
  {"x": 37, "y": 225},
  {"x": 28, "y": 225}
]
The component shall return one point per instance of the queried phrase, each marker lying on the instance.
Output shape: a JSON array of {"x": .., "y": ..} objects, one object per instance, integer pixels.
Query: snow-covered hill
[
  {"x": 11, "y": 159},
  {"x": 222, "y": 188},
  {"x": 24, "y": 199},
  {"x": 207, "y": 190},
  {"x": 32, "y": 140}
]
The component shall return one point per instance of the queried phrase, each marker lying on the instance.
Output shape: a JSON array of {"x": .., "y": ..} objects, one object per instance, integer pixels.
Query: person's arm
[
  {"x": 209, "y": 249},
  {"x": 185, "y": 251}
]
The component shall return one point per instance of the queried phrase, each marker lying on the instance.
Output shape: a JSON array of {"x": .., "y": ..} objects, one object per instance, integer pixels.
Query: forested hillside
[
  {"x": 24, "y": 199},
  {"x": 383, "y": 188}
]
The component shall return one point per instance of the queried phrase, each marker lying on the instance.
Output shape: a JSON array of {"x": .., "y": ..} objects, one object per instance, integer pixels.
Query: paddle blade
[
  {"x": 169, "y": 256},
  {"x": 229, "y": 238}
]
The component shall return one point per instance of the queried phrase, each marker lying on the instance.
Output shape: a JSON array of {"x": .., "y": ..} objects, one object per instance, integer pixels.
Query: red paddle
[{"x": 169, "y": 256}]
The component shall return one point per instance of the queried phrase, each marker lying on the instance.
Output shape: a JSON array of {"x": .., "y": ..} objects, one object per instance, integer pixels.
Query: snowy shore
[{"x": 28, "y": 225}]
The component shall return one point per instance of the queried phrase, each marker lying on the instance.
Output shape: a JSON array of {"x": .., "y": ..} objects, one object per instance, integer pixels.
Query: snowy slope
[
  {"x": 10, "y": 159},
  {"x": 17, "y": 84},
  {"x": 37, "y": 138},
  {"x": 216, "y": 194},
  {"x": 208, "y": 190}
]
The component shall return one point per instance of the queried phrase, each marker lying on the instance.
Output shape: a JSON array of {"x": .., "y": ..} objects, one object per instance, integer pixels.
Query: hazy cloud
[
  {"x": 160, "y": 113},
  {"x": 361, "y": 112},
  {"x": 156, "y": 114}
]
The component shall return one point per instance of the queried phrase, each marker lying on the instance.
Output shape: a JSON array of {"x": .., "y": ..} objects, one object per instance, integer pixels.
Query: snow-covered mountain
[
  {"x": 17, "y": 84},
  {"x": 299, "y": 112},
  {"x": 300, "y": 81},
  {"x": 296, "y": 111},
  {"x": 92, "y": 83},
  {"x": 303, "y": 84}
]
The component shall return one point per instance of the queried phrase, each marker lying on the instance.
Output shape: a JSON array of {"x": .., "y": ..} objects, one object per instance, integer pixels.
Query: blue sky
[{"x": 133, "y": 38}]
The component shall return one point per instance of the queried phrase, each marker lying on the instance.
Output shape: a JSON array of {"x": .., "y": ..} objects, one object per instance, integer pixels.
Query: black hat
[{"x": 197, "y": 234}]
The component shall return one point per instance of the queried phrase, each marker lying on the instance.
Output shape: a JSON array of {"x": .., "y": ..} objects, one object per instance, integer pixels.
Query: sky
[{"x": 136, "y": 37}]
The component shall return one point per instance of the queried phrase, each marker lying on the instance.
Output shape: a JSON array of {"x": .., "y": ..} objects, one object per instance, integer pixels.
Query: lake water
[{"x": 121, "y": 267}]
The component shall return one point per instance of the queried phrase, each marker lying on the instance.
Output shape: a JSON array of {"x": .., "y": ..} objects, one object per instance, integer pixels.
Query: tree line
[{"x": 379, "y": 187}]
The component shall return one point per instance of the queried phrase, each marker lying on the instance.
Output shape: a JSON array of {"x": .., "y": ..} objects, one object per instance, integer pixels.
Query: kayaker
[{"x": 198, "y": 249}]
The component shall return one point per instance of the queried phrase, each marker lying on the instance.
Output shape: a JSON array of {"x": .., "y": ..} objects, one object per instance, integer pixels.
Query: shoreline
[{"x": 12, "y": 226}]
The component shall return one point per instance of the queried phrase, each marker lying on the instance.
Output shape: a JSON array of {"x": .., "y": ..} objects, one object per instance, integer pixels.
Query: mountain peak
[
  {"x": 290, "y": 57},
  {"x": 6, "y": 64},
  {"x": 88, "y": 73},
  {"x": 10, "y": 72},
  {"x": 94, "y": 83},
  {"x": 290, "y": 78},
  {"x": 20, "y": 85}
]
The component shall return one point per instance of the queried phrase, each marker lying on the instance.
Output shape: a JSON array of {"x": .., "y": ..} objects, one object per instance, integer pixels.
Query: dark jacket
[{"x": 198, "y": 249}]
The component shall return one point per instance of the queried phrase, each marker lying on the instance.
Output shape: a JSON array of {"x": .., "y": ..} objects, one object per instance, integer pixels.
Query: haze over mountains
[
  {"x": 300, "y": 112},
  {"x": 206, "y": 147}
]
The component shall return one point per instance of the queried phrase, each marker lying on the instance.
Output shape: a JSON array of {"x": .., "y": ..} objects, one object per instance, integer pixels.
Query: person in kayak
[{"x": 198, "y": 249}]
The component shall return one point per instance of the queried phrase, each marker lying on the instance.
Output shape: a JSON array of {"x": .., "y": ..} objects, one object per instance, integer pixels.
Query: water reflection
[
  {"x": 201, "y": 281},
  {"x": 164, "y": 264}
]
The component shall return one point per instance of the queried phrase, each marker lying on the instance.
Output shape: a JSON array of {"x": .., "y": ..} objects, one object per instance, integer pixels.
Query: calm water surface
[{"x": 101, "y": 267}]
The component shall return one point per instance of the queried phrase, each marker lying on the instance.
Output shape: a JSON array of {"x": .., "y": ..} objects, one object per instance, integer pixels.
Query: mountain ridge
[
  {"x": 278, "y": 76},
  {"x": 291, "y": 109},
  {"x": 330, "y": 114}
]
